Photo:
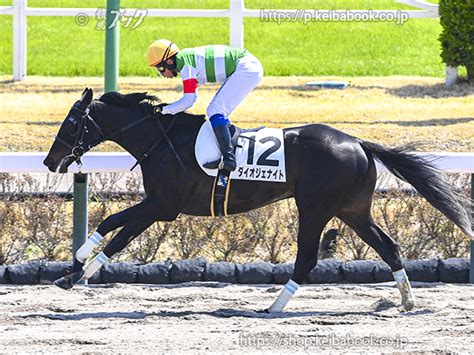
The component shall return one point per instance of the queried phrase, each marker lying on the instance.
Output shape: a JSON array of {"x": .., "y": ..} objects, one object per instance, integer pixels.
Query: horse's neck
[
  {"x": 112, "y": 119},
  {"x": 138, "y": 140}
]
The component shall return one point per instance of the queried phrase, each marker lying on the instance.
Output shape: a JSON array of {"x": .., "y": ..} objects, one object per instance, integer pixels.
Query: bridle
[{"x": 78, "y": 149}]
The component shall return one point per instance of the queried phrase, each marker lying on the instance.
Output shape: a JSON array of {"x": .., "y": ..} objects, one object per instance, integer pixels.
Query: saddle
[{"x": 236, "y": 133}]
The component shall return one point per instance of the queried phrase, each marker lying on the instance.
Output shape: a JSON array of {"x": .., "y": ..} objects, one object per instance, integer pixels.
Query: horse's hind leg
[{"x": 386, "y": 247}]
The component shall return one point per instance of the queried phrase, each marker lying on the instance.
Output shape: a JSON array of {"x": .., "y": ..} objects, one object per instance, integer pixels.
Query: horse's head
[{"x": 78, "y": 134}]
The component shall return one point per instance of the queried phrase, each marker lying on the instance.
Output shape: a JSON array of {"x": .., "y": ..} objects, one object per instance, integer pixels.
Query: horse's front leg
[
  {"x": 106, "y": 226},
  {"x": 109, "y": 224},
  {"x": 134, "y": 220}
]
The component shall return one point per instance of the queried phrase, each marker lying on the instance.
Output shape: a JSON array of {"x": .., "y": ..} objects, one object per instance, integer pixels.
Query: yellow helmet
[{"x": 161, "y": 50}]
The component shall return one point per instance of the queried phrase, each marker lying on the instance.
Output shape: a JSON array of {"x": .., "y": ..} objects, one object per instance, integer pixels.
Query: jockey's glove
[{"x": 159, "y": 108}]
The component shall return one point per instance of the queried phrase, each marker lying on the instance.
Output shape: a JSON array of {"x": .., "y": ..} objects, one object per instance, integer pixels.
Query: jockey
[{"x": 235, "y": 68}]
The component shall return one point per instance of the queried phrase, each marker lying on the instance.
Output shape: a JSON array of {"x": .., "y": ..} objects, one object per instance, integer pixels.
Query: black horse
[{"x": 329, "y": 173}]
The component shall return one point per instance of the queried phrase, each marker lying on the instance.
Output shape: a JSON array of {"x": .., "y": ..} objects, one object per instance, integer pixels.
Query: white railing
[
  {"x": 236, "y": 14},
  {"x": 30, "y": 162}
]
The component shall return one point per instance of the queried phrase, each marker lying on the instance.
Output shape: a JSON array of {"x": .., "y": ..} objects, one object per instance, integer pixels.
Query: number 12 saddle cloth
[{"x": 259, "y": 153}]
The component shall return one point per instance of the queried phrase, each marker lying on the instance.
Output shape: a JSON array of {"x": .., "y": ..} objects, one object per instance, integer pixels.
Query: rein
[
  {"x": 165, "y": 135},
  {"x": 78, "y": 149}
]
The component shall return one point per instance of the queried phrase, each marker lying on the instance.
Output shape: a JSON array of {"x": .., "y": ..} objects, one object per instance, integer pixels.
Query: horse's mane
[
  {"x": 137, "y": 99},
  {"x": 134, "y": 99}
]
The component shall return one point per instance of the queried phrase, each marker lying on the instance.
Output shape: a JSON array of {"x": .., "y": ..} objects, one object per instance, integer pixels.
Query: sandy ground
[{"x": 213, "y": 317}]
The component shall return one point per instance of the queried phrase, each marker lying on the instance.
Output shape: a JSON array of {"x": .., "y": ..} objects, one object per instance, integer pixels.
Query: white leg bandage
[
  {"x": 284, "y": 297},
  {"x": 94, "y": 265},
  {"x": 86, "y": 249},
  {"x": 403, "y": 285}
]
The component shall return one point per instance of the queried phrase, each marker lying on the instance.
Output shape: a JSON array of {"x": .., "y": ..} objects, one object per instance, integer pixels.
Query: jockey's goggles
[{"x": 161, "y": 67}]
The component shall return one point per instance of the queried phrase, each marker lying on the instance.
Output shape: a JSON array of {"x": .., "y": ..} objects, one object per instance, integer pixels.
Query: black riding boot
[{"x": 222, "y": 133}]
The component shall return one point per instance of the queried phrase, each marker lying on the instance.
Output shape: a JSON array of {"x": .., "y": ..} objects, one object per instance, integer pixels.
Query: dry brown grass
[{"x": 391, "y": 110}]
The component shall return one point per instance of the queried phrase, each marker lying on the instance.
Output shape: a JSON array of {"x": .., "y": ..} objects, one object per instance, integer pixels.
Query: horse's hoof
[
  {"x": 408, "y": 305},
  {"x": 64, "y": 282},
  {"x": 67, "y": 282}
]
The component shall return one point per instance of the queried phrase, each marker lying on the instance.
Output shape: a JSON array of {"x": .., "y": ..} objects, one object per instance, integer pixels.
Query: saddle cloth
[{"x": 260, "y": 155}]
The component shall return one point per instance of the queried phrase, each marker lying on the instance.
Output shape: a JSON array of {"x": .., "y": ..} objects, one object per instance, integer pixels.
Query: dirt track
[{"x": 220, "y": 318}]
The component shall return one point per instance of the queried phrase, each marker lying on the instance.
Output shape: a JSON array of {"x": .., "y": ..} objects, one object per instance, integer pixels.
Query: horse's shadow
[{"x": 220, "y": 313}]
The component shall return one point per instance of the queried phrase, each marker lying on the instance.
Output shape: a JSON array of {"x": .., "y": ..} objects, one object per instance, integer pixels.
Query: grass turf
[{"x": 57, "y": 46}]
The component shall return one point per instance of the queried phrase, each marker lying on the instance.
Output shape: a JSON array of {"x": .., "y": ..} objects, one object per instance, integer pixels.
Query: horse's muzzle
[
  {"x": 60, "y": 167},
  {"x": 50, "y": 164}
]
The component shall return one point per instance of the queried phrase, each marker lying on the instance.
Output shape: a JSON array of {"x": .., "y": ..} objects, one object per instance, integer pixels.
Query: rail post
[
  {"x": 80, "y": 199},
  {"x": 112, "y": 45},
  {"x": 19, "y": 40},
  {"x": 471, "y": 269},
  {"x": 451, "y": 76},
  {"x": 236, "y": 21}
]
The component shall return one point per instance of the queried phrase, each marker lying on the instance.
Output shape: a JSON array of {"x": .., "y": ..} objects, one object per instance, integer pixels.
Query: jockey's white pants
[{"x": 247, "y": 75}]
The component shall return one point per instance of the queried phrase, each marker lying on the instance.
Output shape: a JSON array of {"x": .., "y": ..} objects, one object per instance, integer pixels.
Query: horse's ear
[{"x": 86, "y": 98}]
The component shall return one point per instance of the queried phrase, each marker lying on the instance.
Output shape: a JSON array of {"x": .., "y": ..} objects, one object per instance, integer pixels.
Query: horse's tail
[{"x": 426, "y": 179}]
